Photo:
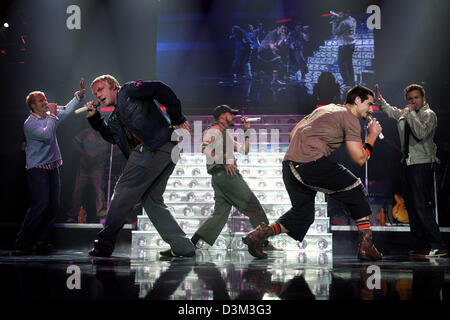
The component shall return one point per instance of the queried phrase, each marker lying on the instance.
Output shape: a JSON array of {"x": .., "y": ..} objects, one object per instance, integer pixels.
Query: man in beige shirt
[{"x": 308, "y": 169}]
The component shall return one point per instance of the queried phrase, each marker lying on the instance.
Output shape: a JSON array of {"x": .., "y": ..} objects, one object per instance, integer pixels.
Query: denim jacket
[
  {"x": 423, "y": 123},
  {"x": 137, "y": 111}
]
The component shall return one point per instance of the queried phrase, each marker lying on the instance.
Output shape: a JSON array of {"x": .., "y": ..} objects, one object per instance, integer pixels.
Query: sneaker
[
  {"x": 167, "y": 253},
  {"x": 436, "y": 253},
  {"x": 22, "y": 250},
  {"x": 99, "y": 253},
  {"x": 170, "y": 254},
  {"x": 42, "y": 247}
]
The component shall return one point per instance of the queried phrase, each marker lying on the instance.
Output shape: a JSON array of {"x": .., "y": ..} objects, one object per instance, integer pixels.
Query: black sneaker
[
  {"x": 436, "y": 253},
  {"x": 167, "y": 253},
  {"x": 170, "y": 254},
  {"x": 22, "y": 250},
  {"x": 42, "y": 247},
  {"x": 99, "y": 253}
]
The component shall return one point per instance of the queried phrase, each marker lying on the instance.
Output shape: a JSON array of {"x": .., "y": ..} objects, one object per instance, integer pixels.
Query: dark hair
[
  {"x": 413, "y": 87},
  {"x": 358, "y": 91}
]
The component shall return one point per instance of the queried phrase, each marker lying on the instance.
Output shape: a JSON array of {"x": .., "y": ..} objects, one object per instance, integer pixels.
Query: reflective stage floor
[{"x": 220, "y": 275}]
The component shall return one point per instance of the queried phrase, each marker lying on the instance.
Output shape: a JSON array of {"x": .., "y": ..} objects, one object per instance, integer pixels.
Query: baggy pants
[
  {"x": 230, "y": 191},
  {"x": 144, "y": 180}
]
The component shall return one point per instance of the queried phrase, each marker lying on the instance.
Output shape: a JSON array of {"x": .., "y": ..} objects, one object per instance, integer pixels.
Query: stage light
[
  {"x": 173, "y": 196},
  {"x": 142, "y": 242},
  {"x": 6, "y": 25},
  {"x": 191, "y": 197},
  {"x": 200, "y": 244},
  {"x": 302, "y": 244},
  {"x": 193, "y": 184},
  {"x": 206, "y": 211},
  {"x": 208, "y": 196},
  {"x": 177, "y": 183},
  {"x": 322, "y": 244}
]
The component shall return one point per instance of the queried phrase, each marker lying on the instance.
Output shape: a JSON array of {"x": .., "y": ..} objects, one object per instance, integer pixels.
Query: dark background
[{"x": 120, "y": 38}]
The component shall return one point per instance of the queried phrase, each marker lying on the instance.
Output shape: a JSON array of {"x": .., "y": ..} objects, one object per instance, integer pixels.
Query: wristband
[{"x": 369, "y": 149}]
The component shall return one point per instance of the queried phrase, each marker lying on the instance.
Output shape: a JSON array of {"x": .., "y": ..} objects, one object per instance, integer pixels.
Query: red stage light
[
  {"x": 107, "y": 109},
  {"x": 283, "y": 20}
]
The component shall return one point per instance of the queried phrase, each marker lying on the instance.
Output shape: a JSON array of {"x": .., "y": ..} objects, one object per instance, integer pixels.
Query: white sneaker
[{"x": 435, "y": 253}]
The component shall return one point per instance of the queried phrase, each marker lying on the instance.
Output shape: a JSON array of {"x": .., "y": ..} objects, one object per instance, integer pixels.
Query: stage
[{"x": 70, "y": 274}]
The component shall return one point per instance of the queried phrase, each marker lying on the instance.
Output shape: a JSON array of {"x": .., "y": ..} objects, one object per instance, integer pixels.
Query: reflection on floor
[{"x": 220, "y": 275}]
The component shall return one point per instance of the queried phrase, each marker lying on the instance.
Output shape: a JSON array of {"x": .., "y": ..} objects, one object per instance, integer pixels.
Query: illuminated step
[
  {"x": 205, "y": 209},
  {"x": 234, "y": 224},
  {"x": 320, "y": 242}
]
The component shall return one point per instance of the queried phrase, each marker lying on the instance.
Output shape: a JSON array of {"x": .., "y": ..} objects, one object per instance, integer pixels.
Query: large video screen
[{"x": 283, "y": 56}]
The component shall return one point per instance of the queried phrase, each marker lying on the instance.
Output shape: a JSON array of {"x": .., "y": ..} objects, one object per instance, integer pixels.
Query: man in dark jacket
[{"x": 143, "y": 133}]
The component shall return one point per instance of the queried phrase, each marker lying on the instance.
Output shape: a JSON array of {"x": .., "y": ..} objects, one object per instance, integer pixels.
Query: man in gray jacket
[{"x": 417, "y": 125}]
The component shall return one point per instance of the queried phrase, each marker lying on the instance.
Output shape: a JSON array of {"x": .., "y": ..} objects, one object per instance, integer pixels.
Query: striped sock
[
  {"x": 363, "y": 224},
  {"x": 276, "y": 228}
]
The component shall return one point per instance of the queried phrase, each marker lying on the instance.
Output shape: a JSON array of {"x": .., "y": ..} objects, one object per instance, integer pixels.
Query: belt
[{"x": 320, "y": 189}]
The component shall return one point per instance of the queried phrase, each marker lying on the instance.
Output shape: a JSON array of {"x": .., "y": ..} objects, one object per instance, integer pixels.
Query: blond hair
[
  {"x": 109, "y": 79},
  {"x": 32, "y": 96}
]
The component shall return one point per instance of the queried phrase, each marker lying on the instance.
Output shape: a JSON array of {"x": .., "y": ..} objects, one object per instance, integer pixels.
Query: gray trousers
[{"x": 144, "y": 180}]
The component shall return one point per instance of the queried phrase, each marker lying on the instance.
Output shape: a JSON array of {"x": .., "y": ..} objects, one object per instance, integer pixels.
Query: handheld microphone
[
  {"x": 251, "y": 119},
  {"x": 83, "y": 109},
  {"x": 335, "y": 14},
  {"x": 370, "y": 119}
]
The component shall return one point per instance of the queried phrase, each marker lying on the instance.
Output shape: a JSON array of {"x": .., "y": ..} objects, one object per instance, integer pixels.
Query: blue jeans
[{"x": 45, "y": 190}]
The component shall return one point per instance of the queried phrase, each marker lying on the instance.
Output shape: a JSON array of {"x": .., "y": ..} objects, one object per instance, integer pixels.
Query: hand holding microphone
[
  {"x": 244, "y": 119},
  {"x": 52, "y": 107},
  {"x": 90, "y": 107},
  {"x": 246, "y": 122},
  {"x": 374, "y": 126}
]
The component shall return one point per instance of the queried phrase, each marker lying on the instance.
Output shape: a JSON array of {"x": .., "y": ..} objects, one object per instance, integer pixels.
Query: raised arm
[
  {"x": 76, "y": 102},
  {"x": 391, "y": 111}
]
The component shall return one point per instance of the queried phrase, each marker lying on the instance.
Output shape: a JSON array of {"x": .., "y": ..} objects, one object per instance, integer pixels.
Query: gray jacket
[{"x": 423, "y": 123}]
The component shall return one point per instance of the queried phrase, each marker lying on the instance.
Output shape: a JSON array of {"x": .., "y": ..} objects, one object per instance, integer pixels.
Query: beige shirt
[
  {"x": 218, "y": 146},
  {"x": 325, "y": 130}
]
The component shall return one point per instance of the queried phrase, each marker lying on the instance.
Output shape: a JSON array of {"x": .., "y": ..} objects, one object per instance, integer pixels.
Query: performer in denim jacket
[{"x": 143, "y": 133}]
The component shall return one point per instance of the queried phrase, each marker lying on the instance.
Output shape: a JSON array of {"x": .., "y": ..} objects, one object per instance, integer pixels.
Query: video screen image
[{"x": 282, "y": 54}]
